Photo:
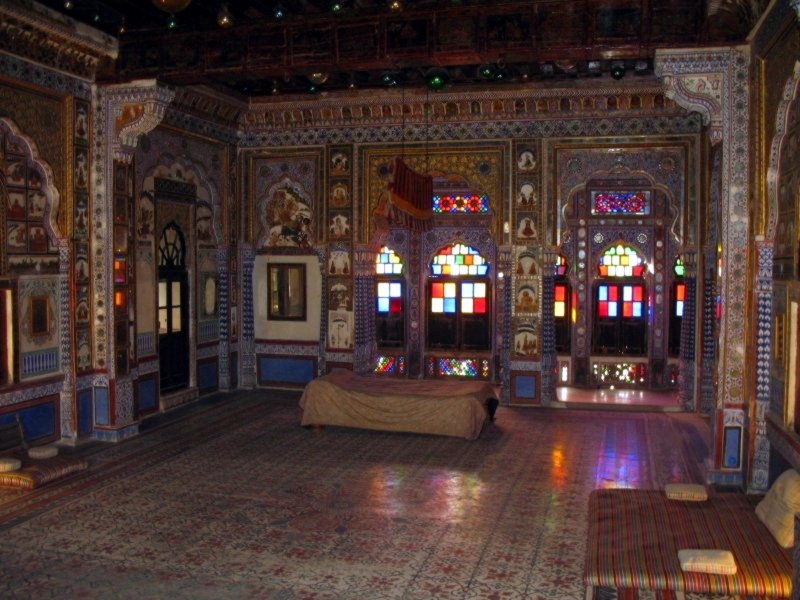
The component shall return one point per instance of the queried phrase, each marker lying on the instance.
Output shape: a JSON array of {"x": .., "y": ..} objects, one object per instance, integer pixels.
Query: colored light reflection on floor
[
  {"x": 447, "y": 495},
  {"x": 619, "y": 465}
]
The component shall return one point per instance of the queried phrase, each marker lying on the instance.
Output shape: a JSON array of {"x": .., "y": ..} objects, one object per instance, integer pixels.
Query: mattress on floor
[
  {"x": 453, "y": 408},
  {"x": 634, "y": 537}
]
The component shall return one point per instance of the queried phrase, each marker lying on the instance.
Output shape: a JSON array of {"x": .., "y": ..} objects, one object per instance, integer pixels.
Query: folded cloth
[
  {"x": 686, "y": 491},
  {"x": 9, "y": 464},
  {"x": 48, "y": 451},
  {"x": 717, "y": 562}
]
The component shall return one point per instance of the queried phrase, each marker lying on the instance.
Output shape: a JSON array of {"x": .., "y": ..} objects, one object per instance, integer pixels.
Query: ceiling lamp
[
  {"x": 224, "y": 16},
  {"x": 318, "y": 78},
  {"x": 279, "y": 13},
  {"x": 618, "y": 69},
  {"x": 436, "y": 79},
  {"x": 172, "y": 6},
  {"x": 487, "y": 71},
  {"x": 389, "y": 79}
]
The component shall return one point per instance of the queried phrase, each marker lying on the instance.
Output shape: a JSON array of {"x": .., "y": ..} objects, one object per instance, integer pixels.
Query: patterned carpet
[{"x": 236, "y": 500}]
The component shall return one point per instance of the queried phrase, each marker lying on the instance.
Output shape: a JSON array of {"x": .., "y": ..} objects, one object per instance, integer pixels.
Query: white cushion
[
  {"x": 777, "y": 509},
  {"x": 9, "y": 464},
  {"x": 48, "y": 451},
  {"x": 686, "y": 491},
  {"x": 718, "y": 562}
]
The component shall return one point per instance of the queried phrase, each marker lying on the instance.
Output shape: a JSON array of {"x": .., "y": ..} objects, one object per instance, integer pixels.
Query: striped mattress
[{"x": 634, "y": 537}]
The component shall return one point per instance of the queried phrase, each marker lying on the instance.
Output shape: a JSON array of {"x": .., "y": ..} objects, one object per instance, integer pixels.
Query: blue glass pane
[
  {"x": 612, "y": 309},
  {"x": 449, "y": 305},
  {"x": 637, "y": 309},
  {"x": 383, "y": 305}
]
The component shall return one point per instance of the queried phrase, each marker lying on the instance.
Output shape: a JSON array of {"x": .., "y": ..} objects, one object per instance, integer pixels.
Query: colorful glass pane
[
  {"x": 388, "y": 263},
  {"x": 458, "y": 260},
  {"x": 561, "y": 265},
  {"x": 680, "y": 298},
  {"x": 678, "y": 268},
  {"x": 620, "y": 261},
  {"x": 625, "y": 203},
  {"x": 461, "y": 204}
]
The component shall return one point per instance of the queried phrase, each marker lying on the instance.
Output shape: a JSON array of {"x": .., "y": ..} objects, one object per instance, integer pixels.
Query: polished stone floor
[
  {"x": 618, "y": 397},
  {"x": 233, "y": 499}
]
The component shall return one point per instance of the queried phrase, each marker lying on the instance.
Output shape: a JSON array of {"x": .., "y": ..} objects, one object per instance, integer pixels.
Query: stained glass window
[
  {"x": 560, "y": 301},
  {"x": 388, "y": 263},
  {"x": 459, "y": 260},
  {"x": 621, "y": 203},
  {"x": 561, "y": 265},
  {"x": 389, "y": 298},
  {"x": 626, "y": 301},
  {"x": 459, "y": 315},
  {"x": 678, "y": 308},
  {"x": 461, "y": 204},
  {"x": 621, "y": 261},
  {"x": 678, "y": 268}
]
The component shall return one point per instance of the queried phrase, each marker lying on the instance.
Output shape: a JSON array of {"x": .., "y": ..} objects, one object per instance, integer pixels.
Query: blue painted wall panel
[
  {"x": 147, "y": 395},
  {"x": 85, "y": 414},
  {"x": 286, "y": 370},
  {"x": 525, "y": 387},
  {"x": 208, "y": 375},
  {"x": 102, "y": 406}
]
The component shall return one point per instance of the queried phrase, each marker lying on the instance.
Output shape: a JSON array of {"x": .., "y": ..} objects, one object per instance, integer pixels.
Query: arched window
[
  {"x": 620, "y": 303},
  {"x": 459, "y": 315},
  {"x": 390, "y": 300},
  {"x": 562, "y": 305},
  {"x": 677, "y": 306}
]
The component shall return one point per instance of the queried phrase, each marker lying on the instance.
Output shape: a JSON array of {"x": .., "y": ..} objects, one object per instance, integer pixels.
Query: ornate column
[
  {"x": 365, "y": 349},
  {"x": 689, "y": 330},
  {"x": 122, "y": 114},
  {"x": 715, "y": 83}
]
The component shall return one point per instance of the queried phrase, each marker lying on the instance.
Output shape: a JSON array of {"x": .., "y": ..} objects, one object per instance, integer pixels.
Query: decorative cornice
[
  {"x": 136, "y": 108},
  {"x": 696, "y": 80},
  {"x": 597, "y": 97},
  {"x": 40, "y": 35}
]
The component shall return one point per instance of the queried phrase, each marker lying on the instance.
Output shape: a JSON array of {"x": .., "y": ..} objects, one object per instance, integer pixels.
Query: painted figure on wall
[{"x": 288, "y": 218}]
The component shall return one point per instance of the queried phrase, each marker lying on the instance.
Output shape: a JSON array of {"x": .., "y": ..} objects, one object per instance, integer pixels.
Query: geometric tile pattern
[{"x": 241, "y": 502}]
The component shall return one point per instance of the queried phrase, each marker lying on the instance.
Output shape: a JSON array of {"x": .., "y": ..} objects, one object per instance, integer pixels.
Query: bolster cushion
[
  {"x": 776, "y": 510},
  {"x": 716, "y": 562},
  {"x": 42, "y": 471},
  {"x": 686, "y": 491}
]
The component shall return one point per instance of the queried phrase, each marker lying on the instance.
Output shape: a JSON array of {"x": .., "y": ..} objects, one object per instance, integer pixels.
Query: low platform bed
[
  {"x": 452, "y": 408},
  {"x": 635, "y": 535}
]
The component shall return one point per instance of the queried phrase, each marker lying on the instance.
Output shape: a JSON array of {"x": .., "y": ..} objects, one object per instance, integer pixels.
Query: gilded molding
[
  {"x": 136, "y": 109},
  {"x": 43, "y": 36}
]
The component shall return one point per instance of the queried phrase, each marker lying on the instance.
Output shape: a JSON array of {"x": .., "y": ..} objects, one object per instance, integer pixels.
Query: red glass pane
[
  {"x": 560, "y": 292},
  {"x": 680, "y": 291},
  {"x": 602, "y": 309},
  {"x": 479, "y": 305},
  {"x": 613, "y": 293},
  {"x": 437, "y": 290},
  {"x": 627, "y": 309},
  {"x": 638, "y": 292},
  {"x": 603, "y": 271},
  {"x": 395, "y": 305}
]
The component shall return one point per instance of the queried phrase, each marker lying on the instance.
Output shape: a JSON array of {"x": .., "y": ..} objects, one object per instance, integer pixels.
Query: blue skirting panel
[
  {"x": 85, "y": 414},
  {"x": 147, "y": 395},
  {"x": 525, "y": 389},
  {"x": 102, "y": 406},
  {"x": 40, "y": 421},
  {"x": 233, "y": 365},
  {"x": 283, "y": 370},
  {"x": 208, "y": 375}
]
